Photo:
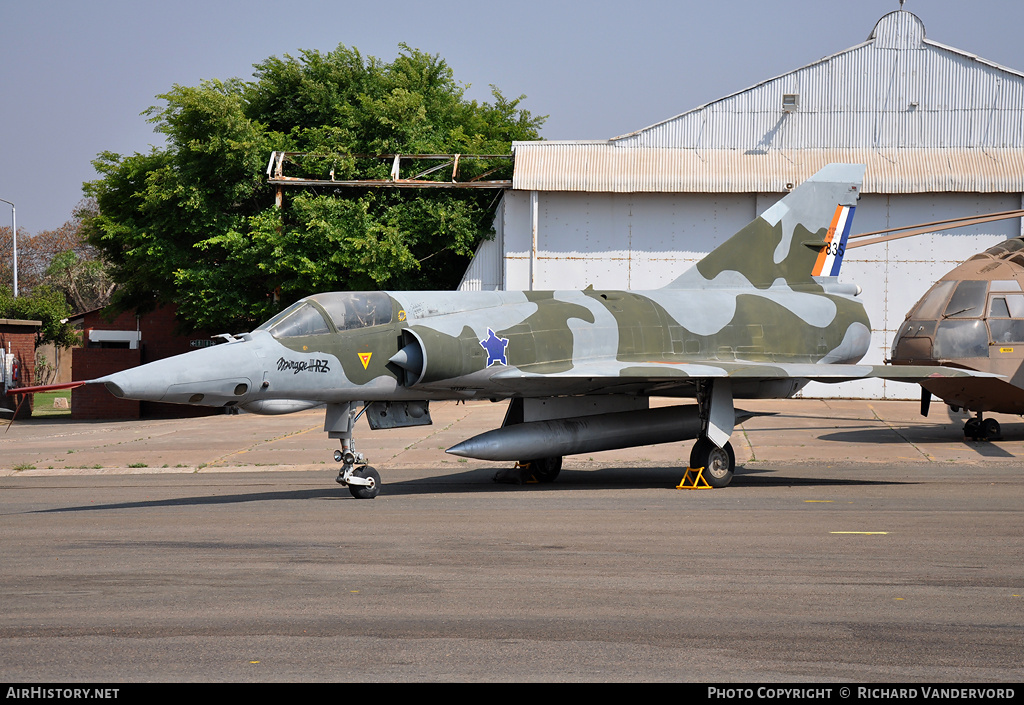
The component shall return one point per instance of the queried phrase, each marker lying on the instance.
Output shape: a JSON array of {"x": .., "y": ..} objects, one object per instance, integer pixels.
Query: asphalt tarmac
[{"x": 858, "y": 542}]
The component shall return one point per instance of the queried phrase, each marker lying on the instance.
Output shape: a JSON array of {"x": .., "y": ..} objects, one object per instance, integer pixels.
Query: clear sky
[{"x": 78, "y": 74}]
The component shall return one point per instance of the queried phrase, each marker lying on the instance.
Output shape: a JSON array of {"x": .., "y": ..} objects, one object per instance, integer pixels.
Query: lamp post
[{"x": 14, "y": 235}]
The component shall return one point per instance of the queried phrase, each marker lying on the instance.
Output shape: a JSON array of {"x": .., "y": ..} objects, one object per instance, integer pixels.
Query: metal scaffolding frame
[{"x": 278, "y": 160}]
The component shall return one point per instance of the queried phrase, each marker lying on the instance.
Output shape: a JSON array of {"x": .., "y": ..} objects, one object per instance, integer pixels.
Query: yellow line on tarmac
[{"x": 268, "y": 441}]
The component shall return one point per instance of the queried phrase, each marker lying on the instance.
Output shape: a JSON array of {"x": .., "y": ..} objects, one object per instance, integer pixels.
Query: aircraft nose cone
[
  {"x": 135, "y": 384},
  {"x": 210, "y": 377}
]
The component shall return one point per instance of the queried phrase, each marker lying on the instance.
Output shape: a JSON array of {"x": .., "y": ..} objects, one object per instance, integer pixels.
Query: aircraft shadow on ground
[
  {"x": 759, "y": 477},
  {"x": 269, "y": 496},
  {"x": 920, "y": 437},
  {"x": 481, "y": 481}
]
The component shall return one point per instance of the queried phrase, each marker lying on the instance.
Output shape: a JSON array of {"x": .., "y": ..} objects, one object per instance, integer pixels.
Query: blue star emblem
[{"x": 495, "y": 348}]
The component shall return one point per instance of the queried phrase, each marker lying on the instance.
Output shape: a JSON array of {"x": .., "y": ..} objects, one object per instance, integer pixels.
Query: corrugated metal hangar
[{"x": 941, "y": 131}]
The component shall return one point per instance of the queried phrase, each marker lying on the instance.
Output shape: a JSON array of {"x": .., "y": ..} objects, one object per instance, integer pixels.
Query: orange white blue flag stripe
[{"x": 830, "y": 257}]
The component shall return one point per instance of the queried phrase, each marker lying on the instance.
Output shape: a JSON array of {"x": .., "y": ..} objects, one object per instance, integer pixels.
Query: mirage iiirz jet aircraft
[{"x": 759, "y": 317}]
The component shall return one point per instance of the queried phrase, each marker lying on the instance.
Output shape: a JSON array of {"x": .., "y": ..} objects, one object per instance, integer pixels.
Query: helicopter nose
[{"x": 212, "y": 376}]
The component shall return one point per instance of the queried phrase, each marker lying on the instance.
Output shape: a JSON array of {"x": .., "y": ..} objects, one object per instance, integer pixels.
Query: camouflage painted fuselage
[{"x": 502, "y": 344}]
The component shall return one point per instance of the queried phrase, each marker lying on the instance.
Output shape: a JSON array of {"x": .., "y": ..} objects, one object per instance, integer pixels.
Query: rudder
[
  {"x": 800, "y": 237},
  {"x": 830, "y": 255}
]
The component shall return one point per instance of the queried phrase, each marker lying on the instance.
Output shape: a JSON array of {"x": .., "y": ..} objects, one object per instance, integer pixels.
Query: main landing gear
[
  {"x": 719, "y": 463},
  {"x": 542, "y": 469},
  {"x": 980, "y": 429},
  {"x": 717, "y": 419}
]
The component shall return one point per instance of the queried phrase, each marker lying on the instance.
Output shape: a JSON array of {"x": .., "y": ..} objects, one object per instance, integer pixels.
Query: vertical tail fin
[{"x": 800, "y": 237}]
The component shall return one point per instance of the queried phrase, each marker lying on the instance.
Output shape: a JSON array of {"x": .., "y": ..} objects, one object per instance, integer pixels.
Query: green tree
[
  {"x": 43, "y": 304},
  {"x": 194, "y": 223},
  {"x": 84, "y": 282}
]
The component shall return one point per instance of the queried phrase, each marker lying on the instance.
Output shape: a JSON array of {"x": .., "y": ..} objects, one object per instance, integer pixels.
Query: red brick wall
[
  {"x": 160, "y": 339},
  {"x": 93, "y": 401},
  {"x": 160, "y": 335},
  {"x": 22, "y": 339}
]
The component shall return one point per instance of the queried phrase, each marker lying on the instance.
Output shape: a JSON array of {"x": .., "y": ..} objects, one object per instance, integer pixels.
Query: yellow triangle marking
[{"x": 365, "y": 359}]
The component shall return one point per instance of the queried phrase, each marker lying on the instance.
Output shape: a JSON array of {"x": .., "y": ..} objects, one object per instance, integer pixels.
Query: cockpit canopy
[
  {"x": 962, "y": 319},
  {"x": 1010, "y": 250},
  {"x": 328, "y": 313}
]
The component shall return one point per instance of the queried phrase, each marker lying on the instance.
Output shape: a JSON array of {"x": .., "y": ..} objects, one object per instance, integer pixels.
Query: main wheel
[
  {"x": 545, "y": 469},
  {"x": 972, "y": 428},
  {"x": 718, "y": 463},
  {"x": 366, "y": 491},
  {"x": 990, "y": 430}
]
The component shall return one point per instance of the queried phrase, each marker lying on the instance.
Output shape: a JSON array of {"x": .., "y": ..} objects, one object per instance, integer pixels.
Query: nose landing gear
[{"x": 362, "y": 480}]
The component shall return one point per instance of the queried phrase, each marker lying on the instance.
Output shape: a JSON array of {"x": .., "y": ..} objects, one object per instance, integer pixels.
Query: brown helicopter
[{"x": 974, "y": 318}]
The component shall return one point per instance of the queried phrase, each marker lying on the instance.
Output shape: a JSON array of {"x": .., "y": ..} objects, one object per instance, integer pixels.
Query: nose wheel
[{"x": 363, "y": 481}]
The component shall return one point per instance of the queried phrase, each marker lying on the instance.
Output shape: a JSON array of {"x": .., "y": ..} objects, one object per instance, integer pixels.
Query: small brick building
[
  {"x": 127, "y": 341},
  {"x": 18, "y": 361}
]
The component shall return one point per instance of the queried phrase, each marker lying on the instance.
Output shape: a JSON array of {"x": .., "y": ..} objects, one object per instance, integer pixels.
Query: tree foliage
[
  {"x": 194, "y": 223},
  {"x": 44, "y": 304},
  {"x": 59, "y": 274},
  {"x": 84, "y": 282}
]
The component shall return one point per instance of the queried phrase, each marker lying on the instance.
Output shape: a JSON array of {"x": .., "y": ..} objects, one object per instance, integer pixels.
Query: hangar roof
[
  {"x": 604, "y": 167},
  {"x": 923, "y": 116}
]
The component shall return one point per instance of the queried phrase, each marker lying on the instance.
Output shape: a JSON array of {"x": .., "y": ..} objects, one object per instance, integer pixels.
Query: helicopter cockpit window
[
  {"x": 299, "y": 319},
  {"x": 968, "y": 301},
  {"x": 1006, "y": 330},
  {"x": 958, "y": 339},
  {"x": 1006, "y": 247},
  {"x": 1016, "y": 305},
  {"x": 1008, "y": 285},
  {"x": 933, "y": 302},
  {"x": 1006, "y": 318},
  {"x": 357, "y": 309},
  {"x": 997, "y": 307}
]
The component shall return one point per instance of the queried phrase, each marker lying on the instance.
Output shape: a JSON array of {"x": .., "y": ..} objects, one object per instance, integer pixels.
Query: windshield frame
[{"x": 278, "y": 326}]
